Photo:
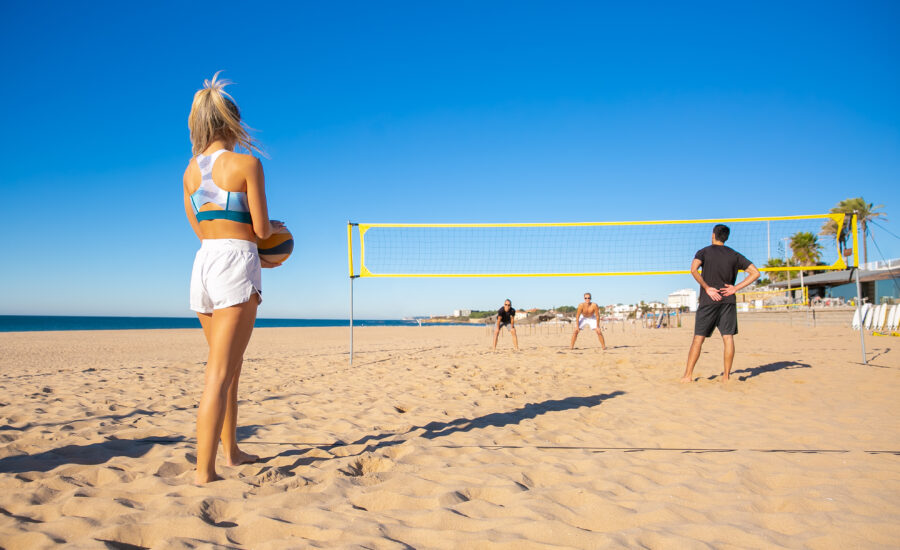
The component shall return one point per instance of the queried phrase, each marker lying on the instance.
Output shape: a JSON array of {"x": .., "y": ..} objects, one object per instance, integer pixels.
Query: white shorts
[
  {"x": 587, "y": 322},
  {"x": 226, "y": 273}
]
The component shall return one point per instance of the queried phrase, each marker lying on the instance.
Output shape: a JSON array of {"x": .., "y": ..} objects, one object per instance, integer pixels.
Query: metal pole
[
  {"x": 352, "y": 276},
  {"x": 862, "y": 329},
  {"x": 351, "y": 321},
  {"x": 768, "y": 242},
  {"x": 862, "y": 337}
]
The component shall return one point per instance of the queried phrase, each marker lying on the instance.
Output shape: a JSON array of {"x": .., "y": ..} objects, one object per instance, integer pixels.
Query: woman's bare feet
[
  {"x": 687, "y": 380},
  {"x": 240, "y": 457},
  {"x": 206, "y": 478}
]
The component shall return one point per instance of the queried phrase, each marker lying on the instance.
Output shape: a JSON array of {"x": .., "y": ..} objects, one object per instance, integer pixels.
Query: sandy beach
[{"x": 431, "y": 441}]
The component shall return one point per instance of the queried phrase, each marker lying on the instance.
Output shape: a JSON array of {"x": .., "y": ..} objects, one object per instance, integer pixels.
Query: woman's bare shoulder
[
  {"x": 242, "y": 160},
  {"x": 189, "y": 173}
]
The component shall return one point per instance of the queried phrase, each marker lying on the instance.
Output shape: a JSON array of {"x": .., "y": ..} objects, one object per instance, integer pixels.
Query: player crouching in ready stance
[
  {"x": 587, "y": 316},
  {"x": 506, "y": 317},
  {"x": 718, "y": 305}
]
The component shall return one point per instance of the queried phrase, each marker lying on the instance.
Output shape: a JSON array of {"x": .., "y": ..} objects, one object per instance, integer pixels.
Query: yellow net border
[{"x": 365, "y": 272}]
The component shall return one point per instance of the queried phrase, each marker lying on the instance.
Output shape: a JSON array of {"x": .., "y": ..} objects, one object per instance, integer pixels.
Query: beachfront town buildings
[{"x": 686, "y": 297}]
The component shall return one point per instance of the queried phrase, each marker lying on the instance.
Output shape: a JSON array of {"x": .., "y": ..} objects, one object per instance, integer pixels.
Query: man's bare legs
[
  {"x": 693, "y": 355},
  {"x": 600, "y": 336},
  {"x": 227, "y": 332},
  {"x": 512, "y": 331},
  {"x": 574, "y": 337},
  {"x": 728, "y": 340}
]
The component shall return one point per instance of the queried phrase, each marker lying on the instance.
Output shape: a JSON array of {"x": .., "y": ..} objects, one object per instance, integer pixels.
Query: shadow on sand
[
  {"x": 434, "y": 430},
  {"x": 95, "y": 453},
  {"x": 99, "y": 453},
  {"x": 771, "y": 367}
]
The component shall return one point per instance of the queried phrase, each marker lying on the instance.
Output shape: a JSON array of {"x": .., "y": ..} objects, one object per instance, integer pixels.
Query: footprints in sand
[
  {"x": 219, "y": 512},
  {"x": 367, "y": 465},
  {"x": 173, "y": 469}
]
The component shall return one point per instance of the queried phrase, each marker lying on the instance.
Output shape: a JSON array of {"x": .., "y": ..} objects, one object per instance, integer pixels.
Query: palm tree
[
  {"x": 778, "y": 275},
  {"x": 864, "y": 211},
  {"x": 830, "y": 229},
  {"x": 805, "y": 248}
]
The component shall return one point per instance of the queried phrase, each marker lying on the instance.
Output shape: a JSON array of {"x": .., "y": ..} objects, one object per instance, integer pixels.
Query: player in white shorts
[
  {"x": 225, "y": 203},
  {"x": 587, "y": 322},
  {"x": 588, "y": 316},
  {"x": 226, "y": 273}
]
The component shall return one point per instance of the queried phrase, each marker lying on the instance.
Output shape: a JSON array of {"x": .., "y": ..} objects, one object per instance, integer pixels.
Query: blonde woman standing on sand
[{"x": 225, "y": 202}]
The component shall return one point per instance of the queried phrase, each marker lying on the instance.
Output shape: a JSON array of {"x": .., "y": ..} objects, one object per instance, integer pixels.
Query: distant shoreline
[{"x": 42, "y": 323}]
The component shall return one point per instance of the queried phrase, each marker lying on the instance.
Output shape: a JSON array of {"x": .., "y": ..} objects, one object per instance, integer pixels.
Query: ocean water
[{"x": 31, "y": 323}]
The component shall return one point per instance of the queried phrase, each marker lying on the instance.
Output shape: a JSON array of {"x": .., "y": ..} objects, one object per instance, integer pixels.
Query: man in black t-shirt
[
  {"x": 718, "y": 306},
  {"x": 506, "y": 317}
]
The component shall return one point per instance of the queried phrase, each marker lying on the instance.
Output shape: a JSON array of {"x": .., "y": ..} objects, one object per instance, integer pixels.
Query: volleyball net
[{"x": 589, "y": 248}]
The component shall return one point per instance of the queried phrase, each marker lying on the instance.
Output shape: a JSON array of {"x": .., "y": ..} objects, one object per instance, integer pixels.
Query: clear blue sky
[{"x": 428, "y": 112}]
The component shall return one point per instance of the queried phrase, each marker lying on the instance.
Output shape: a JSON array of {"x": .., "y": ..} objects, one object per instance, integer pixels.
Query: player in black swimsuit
[
  {"x": 718, "y": 306},
  {"x": 506, "y": 317}
]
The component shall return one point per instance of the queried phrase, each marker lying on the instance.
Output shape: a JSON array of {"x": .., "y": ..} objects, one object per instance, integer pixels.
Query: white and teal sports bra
[{"x": 233, "y": 203}]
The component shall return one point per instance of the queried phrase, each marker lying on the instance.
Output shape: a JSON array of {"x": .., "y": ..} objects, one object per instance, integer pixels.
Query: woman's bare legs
[
  {"x": 227, "y": 332},
  {"x": 233, "y": 455}
]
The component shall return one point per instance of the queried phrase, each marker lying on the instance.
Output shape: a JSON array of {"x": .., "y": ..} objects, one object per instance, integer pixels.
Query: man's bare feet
[
  {"x": 686, "y": 380},
  {"x": 725, "y": 379},
  {"x": 240, "y": 457}
]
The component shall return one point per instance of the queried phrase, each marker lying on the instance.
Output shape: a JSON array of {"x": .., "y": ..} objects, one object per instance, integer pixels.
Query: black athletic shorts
[{"x": 710, "y": 316}]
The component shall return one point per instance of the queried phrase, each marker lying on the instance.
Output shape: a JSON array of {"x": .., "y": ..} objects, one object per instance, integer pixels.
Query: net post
[
  {"x": 350, "y": 260},
  {"x": 351, "y": 321},
  {"x": 862, "y": 329}
]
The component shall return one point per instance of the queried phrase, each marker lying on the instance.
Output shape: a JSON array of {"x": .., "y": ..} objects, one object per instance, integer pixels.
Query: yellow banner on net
[{"x": 576, "y": 249}]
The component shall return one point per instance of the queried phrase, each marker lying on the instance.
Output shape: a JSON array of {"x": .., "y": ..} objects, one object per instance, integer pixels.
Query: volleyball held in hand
[{"x": 278, "y": 247}]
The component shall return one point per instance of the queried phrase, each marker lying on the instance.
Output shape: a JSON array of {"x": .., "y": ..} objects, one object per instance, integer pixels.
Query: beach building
[
  {"x": 686, "y": 297},
  {"x": 622, "y": 311},
  {"x": 462, "y": 312},
  {"x": 880, "y": 282}
]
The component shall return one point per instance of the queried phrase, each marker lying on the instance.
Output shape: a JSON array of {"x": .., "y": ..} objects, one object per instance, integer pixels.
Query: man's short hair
[
  {"x": 507, "y": 300},
  {"x": 721, "y": 232},
  {"x": 588, "y": 294}
]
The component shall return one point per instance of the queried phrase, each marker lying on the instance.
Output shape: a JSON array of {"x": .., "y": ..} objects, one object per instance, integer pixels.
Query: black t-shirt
[
  {"x": 505, "y": 316},
  {"x": 720, "y": 266}
]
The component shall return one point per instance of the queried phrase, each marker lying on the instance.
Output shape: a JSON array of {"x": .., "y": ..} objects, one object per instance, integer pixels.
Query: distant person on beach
[
  {"x": 587, "y": 316},
  {"x": 506, "y": 317},
  {"x": 225, "y": 203},
  {"x": 718, "y": 305}
]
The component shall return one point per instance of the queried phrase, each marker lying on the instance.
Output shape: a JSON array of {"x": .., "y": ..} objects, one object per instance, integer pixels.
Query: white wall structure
[
  {"x": 462, "y": 312},
  {"x": 684, "y": 297}
]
